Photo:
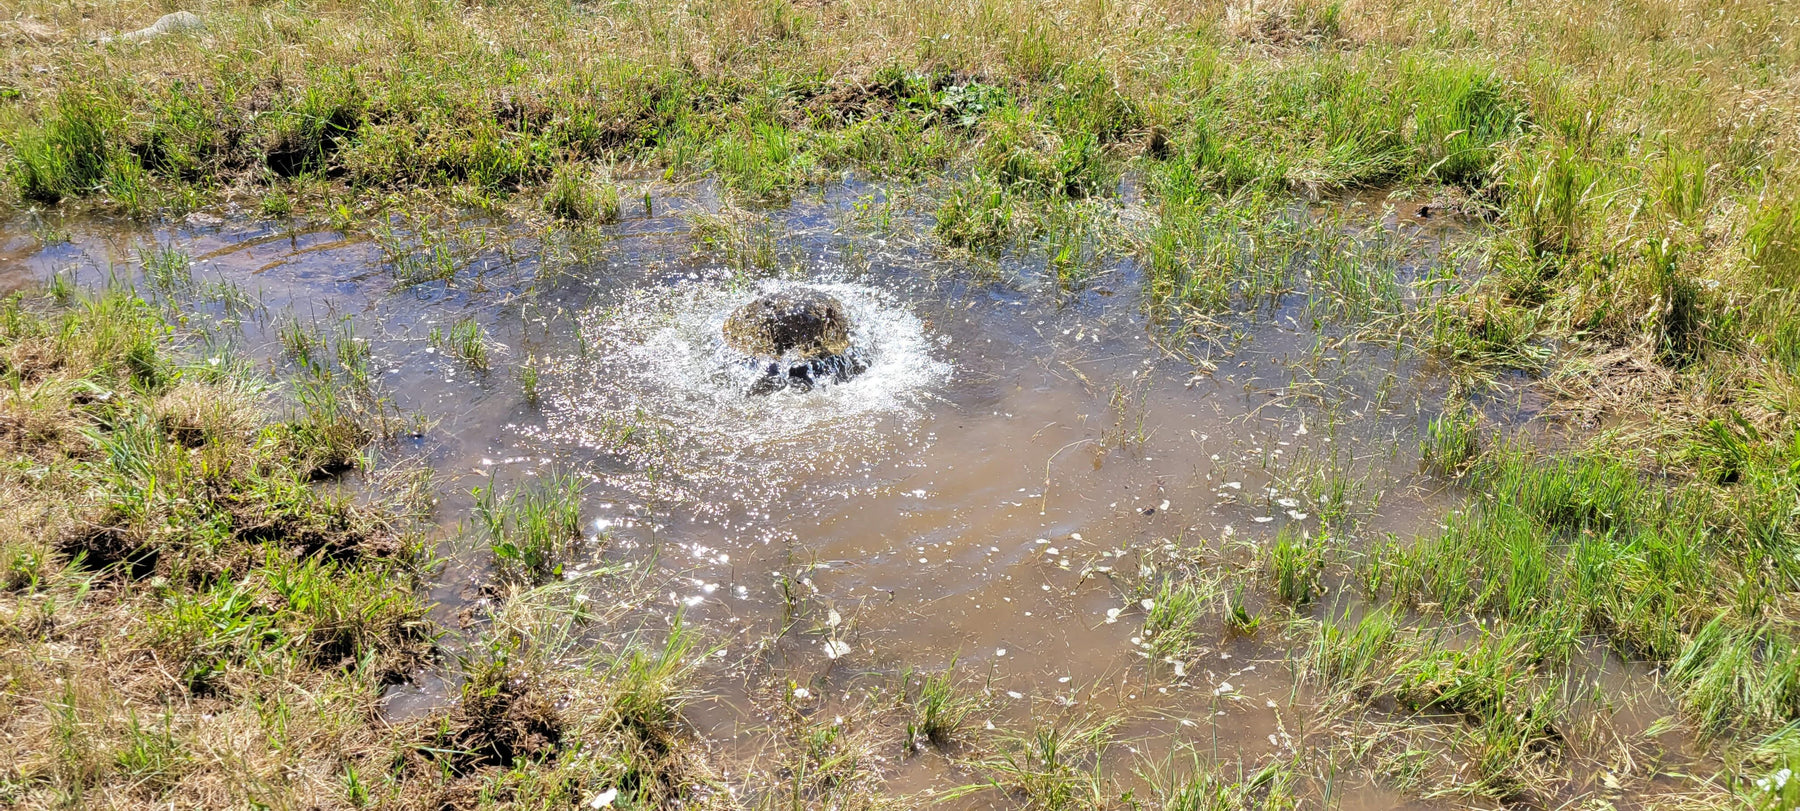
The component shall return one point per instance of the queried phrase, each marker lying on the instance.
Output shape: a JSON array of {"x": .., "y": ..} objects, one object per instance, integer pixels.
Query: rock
[
  {"x": 802, "y": 375},
  {"x": 796, "y": 338},
  {"x": 797, "y": 323},
  {"x": 180, "y": 22}
]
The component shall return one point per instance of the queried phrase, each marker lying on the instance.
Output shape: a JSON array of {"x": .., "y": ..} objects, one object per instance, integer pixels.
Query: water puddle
[{"x": 1017, "y": 462}]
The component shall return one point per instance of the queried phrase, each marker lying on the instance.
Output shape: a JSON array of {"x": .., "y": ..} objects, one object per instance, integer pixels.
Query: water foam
[{"x": 657, "y": 384}]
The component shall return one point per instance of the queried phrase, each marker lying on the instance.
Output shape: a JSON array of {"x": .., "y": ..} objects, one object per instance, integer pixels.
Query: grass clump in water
[
  {"x": 576, "y": 197},
  {"x": 1296, "y": 561},
  {"x": 1174, "y": 617},
  {"x": 1450, "y": 442},
  {"x": 939, "y": 710},
  {"x": 465, "y": 340},
  {"x": 1056, "y": 766},
  {"x": 977, "y": 215},
  {"x": 532, "y": 529}
]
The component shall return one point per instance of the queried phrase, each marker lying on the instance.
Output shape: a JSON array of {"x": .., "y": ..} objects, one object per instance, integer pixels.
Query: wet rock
[
  {"x": 797, "y": 337},
  {"x": 180, "y": 22},
  {"x": 802, "y": 375},
  {"x": 800, "y": 322}
]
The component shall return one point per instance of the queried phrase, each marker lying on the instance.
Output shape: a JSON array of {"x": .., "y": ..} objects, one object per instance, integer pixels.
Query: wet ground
[{"x": 1017, "y": 462}]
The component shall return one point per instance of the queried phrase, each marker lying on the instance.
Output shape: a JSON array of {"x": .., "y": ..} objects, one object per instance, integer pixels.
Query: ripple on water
[{"x": 657, "y": 385}]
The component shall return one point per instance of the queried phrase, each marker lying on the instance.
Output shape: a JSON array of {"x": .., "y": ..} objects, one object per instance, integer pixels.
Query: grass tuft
[
  {"x": 532, "y": 529},
  {"x": 465, "y": 340},
  {"x": 938, "y": 710},
  {"x": 1296, "y": 561},
  {"x": 575, "y": 196}
]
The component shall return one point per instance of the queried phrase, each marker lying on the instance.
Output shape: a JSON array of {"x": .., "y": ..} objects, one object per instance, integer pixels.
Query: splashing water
[{"x": 658, "y": 385}]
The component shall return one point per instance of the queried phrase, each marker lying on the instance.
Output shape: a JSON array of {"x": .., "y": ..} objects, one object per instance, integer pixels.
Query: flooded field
[
  {"x": 1025, "y": 469},
  {"x": 755, "y": 405}
]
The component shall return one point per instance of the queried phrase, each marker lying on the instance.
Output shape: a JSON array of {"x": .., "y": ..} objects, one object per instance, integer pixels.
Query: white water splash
[{"x": 657, "y": 381}]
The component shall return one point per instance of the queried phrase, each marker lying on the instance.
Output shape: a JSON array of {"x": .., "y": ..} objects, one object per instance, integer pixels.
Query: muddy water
[{"x": 993, "y": 491}]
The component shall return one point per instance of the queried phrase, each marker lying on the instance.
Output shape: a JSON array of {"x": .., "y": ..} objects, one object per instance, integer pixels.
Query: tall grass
[{"x": 72, "y": 151}]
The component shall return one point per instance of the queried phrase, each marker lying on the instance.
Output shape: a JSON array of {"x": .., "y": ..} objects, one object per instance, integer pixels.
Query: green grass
[
  {"x": 939, "y": 710},
  {"x": 528, "y": 382},
  {"x": 178, "y": 525},
  {"x": 71, "y": 152},
  {"x": 1629, "y": 171},
  {"x": 1173, "y": 625},
  {"x": 1450, "y": 442},
  {"x": 574, "y": 196},
  {"x": 1296, "y": 561},
  {"x": 167, "y": 269},
  {"x": 1055, "y": 766},
  {"x": 978, "y": 215},
  {"x": 1679, "y": 575},
  {"x": 533, "y": 528},
  {"x": 465, "y": 341}
]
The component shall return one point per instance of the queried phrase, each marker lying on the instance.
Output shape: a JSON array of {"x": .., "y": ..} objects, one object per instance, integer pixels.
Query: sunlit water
[
  {"x": 654, "y": 380},
  {"x": 989, "y": 492}
]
